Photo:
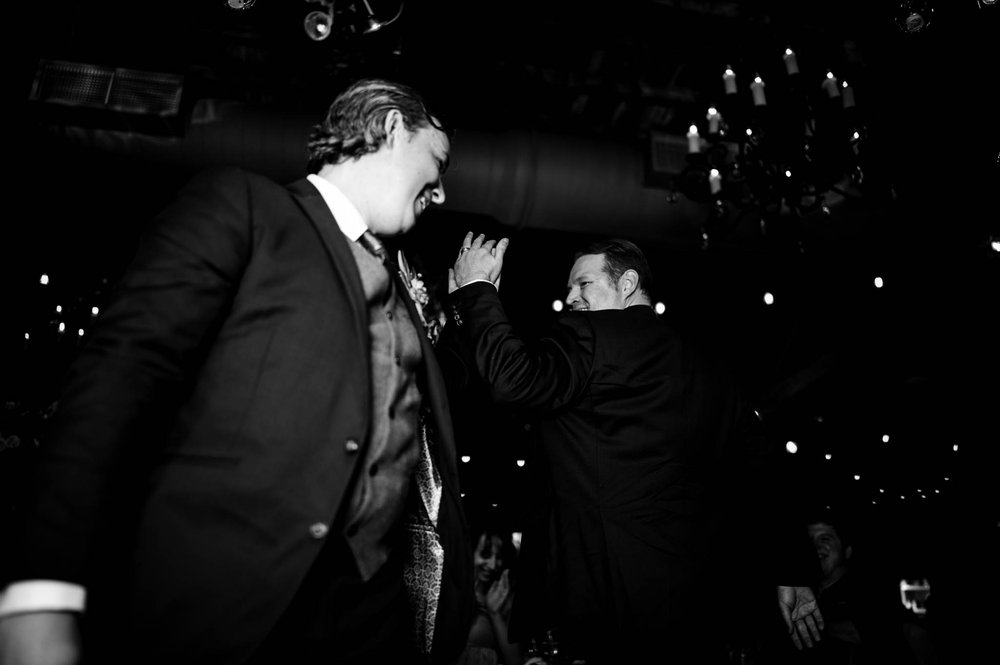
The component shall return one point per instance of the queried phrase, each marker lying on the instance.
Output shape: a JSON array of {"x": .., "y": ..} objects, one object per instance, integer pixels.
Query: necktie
[{"x": 374, "y": 246}]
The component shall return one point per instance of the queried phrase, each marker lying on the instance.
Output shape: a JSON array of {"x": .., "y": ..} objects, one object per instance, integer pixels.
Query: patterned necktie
[
  {"x": 374, "y": 246},
  {"x": 425, "y": 560}
]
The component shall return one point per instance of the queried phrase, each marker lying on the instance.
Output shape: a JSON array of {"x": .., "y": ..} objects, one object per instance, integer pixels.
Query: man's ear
[
  {"x": 848, "y": 551},
  {"x": 628, "y": 282},
  {"x": 394, "y": 125}
]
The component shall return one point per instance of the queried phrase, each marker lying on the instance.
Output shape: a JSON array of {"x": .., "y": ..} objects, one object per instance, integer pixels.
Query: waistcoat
[{"x": 382, "y": 484}]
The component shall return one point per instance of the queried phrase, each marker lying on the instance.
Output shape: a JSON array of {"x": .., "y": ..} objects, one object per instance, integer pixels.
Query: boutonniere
[{"x": 430, "y": 316}]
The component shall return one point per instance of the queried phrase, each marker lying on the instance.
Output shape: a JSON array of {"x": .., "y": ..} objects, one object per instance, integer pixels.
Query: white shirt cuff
[
  {"x": 41, "y": 596},
  {"x": 473, "y": 281}
]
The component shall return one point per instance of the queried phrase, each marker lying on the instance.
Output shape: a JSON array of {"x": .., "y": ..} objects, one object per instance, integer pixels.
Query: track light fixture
[
  {"x": 319, "y": 24},
  {"x": 374, "y": 25},
  {"x": 913, "y": 16}
]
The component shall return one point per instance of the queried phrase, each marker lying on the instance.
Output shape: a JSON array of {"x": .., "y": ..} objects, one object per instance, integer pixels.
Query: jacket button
[
  {"x": 351, "y": 446},
  {"x": 318, "y": 530}
]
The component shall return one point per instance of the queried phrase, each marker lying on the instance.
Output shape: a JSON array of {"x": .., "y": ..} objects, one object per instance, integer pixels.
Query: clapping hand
[
  {"x": 478, "y": 259},
  {"x": 498, "y": 594}
]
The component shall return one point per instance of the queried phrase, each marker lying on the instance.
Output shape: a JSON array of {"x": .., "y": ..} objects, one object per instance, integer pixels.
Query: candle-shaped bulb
[
  {"x": 714, "y": 181},
  {"x": 757, "y": 88},
  {"x": 729, "y": 79},
  {"x": 713, "y": 118},
  {"x": 830, "y": 83},
  {"x": 848, "y": 95},
  {"x": 791, "y": 64},
  {"x": 694, "y": 141}
]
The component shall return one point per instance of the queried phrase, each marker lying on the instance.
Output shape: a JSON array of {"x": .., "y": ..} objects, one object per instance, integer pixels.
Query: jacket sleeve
[
  {"x": 126, "y": 382},
  {"x": 542, "y": 376}
]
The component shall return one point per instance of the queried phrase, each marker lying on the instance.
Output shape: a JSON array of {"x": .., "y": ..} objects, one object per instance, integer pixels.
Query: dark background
[{"x": 557, "y": 107}]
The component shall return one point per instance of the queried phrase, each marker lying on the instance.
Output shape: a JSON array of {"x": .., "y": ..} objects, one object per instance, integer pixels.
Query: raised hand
[
  {"x": 801, "y": 613},
  {"x": 478, "y": 259},
  {"x": 498, "y": 594}
]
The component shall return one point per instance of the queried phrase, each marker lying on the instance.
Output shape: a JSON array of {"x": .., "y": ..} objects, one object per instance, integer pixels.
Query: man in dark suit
[
  {"x": 257, "y": 430},
  {"x": 637, "y": 429}
]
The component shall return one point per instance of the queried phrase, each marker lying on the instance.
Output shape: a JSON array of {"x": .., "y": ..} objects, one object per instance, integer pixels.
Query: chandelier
[{"x": 781, "y": 149}]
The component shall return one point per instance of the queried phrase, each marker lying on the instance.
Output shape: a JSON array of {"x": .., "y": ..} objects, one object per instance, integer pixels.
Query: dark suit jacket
[
  {"x": 638, "y": 431},
  {"x": 227, "y": 383}
]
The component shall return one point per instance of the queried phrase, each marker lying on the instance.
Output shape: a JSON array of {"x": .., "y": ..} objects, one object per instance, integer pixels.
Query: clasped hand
[
  {"x": 478, "y": 259},
  {"x": 494, "y": 600}
]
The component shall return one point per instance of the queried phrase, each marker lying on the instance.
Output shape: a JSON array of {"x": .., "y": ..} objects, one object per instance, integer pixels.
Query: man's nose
[{"x": 574, "y": 296}]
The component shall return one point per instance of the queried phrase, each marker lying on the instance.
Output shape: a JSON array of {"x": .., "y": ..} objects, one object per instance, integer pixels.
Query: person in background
[
  {"x": 640, "y": 431},
  {"x": 865, "y": 618},
  {"x": 253, "y": 454},
  {"x": 494, "y": 560}
]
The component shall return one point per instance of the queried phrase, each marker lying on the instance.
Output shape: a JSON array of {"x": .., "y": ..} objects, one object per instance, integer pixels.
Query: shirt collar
[{"x": 344, "y": 212}]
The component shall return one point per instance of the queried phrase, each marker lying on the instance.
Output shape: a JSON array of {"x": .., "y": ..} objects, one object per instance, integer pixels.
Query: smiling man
[
  {"x": 615, "y": 278},
  {"x": 235, "y": 459},
  {"x": 638, "y": 431}
]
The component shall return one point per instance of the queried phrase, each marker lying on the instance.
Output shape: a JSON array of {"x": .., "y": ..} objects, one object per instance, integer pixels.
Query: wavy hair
[{"x": 355, "y": 122}]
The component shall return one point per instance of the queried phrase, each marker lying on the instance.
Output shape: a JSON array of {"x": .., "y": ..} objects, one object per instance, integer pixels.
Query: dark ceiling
[
  {"x": 611, "y": 69},
  {"x": 835, "y": 363}
]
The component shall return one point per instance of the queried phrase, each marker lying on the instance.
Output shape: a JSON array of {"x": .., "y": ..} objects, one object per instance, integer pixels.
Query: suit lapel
[
  {"x": 319, "y": 215},
  {"x": 335, "y": 242}
]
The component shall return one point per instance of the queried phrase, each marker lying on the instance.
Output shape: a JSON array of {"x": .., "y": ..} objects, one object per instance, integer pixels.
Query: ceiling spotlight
[
  {"x": 374, "y": 25},
  {"x": 319, "y": 24},
  {"x": 913, "y": 16}
]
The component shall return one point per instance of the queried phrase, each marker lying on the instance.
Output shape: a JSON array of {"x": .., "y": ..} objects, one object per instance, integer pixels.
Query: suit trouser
[{"x": 337, "y": 617}]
